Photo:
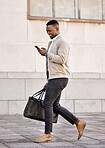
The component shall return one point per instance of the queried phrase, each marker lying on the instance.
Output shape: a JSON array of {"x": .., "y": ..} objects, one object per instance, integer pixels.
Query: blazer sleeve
[{"x": 62, "y": 56}]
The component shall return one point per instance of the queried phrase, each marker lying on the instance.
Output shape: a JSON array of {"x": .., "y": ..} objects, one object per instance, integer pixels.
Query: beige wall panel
[
  {"x": 16, "y": 107},
  {"x": 12, "y": 89},
  {"x": 13, "y": 28},
  {"x": 3, "y": 107},
  {"x": 40, "y": 63},
  {"x": 85, "y": 89},
  {"x": 63, "y": 95},
  {"x": 87, "y": 106},
  {"x": 73, "y": 32},
  {"x": 85, "y": 58},
  {"x": 34, "y": 85},
  {"x": 17, "y": 58},
  {"x": 3, "y": 75},
  {"x": 15, "y": 6},
  {"x": 103, "y": 60},
  {"x": 86, "y": 75},
  {"x": 25, "y": 75},
  {"x": 94, "y": 33},
  {"x": 68, "y": 104},
  {"x": 103, "y": 33},
  {"x": 37, "y": 32},
  {"x": 103, "y": 105}
]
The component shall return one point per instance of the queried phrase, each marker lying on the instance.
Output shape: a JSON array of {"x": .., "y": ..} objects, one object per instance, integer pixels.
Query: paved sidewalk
[{"x": 19, "y": 132}]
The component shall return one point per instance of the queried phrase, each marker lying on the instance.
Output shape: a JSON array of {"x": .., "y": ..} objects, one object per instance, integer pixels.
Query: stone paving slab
[{"x": 17, "y": 131}]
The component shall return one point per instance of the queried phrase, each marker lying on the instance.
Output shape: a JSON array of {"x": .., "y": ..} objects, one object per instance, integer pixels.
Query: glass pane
[
  {"x": 90, "y": 9},
  {"x": 64, "y": 8},
  {"x": 104, "y": 9},
  {"x": 41, "y": 8}
]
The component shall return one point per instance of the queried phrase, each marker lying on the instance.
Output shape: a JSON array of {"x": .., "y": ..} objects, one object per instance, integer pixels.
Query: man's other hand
[
  {"x": 45, "y": 86},
  {"x": 42, "y": 51}
]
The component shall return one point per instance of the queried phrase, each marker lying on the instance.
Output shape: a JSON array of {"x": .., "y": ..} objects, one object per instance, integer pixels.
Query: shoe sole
[{"x": 43, "y": 141}]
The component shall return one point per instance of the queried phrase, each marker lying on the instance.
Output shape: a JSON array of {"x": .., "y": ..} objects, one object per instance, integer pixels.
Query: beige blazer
[{"x": 58, "y": 59}]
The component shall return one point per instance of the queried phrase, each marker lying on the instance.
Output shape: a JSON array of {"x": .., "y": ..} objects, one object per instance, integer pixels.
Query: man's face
[{"x": 52, "y": 31}]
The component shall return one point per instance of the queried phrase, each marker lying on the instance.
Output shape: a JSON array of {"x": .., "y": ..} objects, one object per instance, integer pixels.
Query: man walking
[{"x": 58, "y": 73}]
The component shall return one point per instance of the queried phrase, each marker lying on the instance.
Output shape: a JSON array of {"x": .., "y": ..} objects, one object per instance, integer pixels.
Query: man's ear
[{"x": 57, "y": 29}]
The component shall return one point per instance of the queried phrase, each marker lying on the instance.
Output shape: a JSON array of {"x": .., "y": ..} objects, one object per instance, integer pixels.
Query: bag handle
[
  {"x": 41, "y": 96},
  {"x": 39, "y": 93}
]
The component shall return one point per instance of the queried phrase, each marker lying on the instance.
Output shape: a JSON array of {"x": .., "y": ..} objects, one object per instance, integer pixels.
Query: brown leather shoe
[
  {"x": 80, "y": 126},
  {"x": 44, "y": 138}
]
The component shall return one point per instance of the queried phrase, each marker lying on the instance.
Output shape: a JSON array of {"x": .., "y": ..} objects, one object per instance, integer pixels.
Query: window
[
  {"x": 91, "y": 9},
  {"x": 41, "y": 8},
  {"x": 64, "y": 8},
  {"x": 67, "y": 9}
]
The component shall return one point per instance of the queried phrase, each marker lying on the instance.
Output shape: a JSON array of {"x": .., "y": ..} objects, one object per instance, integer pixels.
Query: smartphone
[{"x": 37, "y": 47}]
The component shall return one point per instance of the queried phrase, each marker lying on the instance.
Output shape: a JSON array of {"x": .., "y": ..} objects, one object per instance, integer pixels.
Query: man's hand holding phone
[{"x": 42, "y": 51}]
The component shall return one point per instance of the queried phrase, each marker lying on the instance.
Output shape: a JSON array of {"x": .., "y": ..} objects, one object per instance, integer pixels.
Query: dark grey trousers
[{"x": 51, "y": 102}]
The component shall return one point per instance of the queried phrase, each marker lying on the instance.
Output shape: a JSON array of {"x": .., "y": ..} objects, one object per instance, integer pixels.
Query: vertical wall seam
[
  {"x": 102, "y": 9},
  {"x": 8, "y": 106},
  {"x": 25, "y": 88},
  {"x": 74, "y": 8},
  {"x": 79, "y": 9},
  {"x": 53, "y": 8},
  {"x": 101, "y": 105},
  {"x": 74, "y": 105}
]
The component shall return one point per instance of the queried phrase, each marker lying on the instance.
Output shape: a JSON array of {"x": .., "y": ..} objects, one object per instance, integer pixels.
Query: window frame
[{"x": 78, "y": 20}]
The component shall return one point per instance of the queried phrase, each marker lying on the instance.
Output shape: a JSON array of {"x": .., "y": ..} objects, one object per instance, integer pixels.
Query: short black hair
[{"x": 52, "y": 22}]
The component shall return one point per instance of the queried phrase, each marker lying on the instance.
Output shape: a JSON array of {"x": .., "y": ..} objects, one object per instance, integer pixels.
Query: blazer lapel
[{"x": 49, "y": 45}]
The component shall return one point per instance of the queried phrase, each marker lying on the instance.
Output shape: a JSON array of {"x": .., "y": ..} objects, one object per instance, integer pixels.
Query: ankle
[
  {"x": 77, "y": 122},
  {"x": 48, "y": 133}
]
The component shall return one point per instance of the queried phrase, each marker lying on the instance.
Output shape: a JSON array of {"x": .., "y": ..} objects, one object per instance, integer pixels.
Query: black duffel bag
[{"x": 34, "y": 107}]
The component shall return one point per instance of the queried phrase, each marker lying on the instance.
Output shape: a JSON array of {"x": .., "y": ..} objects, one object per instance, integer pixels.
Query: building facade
[{"x": 22, "y": 69}]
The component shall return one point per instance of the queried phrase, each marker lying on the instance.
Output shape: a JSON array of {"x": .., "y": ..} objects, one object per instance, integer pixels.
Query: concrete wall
[{"x": 22, "y": 69}]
